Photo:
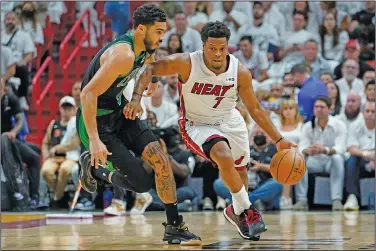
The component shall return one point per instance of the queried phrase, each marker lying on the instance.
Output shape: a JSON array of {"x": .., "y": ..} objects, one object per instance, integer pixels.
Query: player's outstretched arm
[
  {"x": 179, "y": 63},
  {"x": 115, "y": 61},
  {"x": 257, "y": 112}
]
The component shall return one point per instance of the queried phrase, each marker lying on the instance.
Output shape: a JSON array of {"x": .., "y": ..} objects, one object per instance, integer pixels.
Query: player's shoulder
[
  {"x": 121, "y": 53},
  {"x": 243, "y": 72}
]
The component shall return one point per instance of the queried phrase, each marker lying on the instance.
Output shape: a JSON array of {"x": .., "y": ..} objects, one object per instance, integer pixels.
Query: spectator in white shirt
[
  {"x": 361, "y": 145},
  {"x": 352, "y": 112},
  {"x": 274, "y": 17},
  {"x": 171, "y": 92},
  {"x": 343, "y": 20},
  {"x": 313, "y": 60},
  {"x": 174, "y": 44},
  {"x": 293, "y": 41},
  {"x": 290, "y": 128},
  {"x": 8, "y": 66},
  {"x": 195, "y": 19},
  {"x": 290, "y": 91},
  {"x": 55, "y": 10},
  {"x": 370, "y": 92},
  {"x": 23, "y": 50},
  {"x": 333, "y": 40},
  {"x": 323, "y": 141},
  {"x": 304, "y": 7},
  {"x": 233, "y": 19},
  {"x": 349, "y": 81},
  {"x": 368, "y": 76},
  {"x": 30, "y": 24},
  {"x": 263, "y": 34},
  {"x": 255, "y": 60},
  {"x": 166, "y": 112},
  {"x": 191, "y": 38}
]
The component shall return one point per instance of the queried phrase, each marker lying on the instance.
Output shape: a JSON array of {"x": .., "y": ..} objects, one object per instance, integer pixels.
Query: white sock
[{"x": 240, "y": 201}]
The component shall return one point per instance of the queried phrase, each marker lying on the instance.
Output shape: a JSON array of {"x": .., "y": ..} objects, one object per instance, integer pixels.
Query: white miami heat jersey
[{"x": 205, "y": 97}]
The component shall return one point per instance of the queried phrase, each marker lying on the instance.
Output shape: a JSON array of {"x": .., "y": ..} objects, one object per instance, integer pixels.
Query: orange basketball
[{"x": 288, "y": 167}]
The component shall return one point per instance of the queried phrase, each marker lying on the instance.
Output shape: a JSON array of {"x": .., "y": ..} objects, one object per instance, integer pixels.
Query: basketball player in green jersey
[{"x": 109, "y": 136}]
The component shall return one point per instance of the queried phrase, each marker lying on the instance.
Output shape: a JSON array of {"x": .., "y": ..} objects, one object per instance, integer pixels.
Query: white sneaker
[
  {"x": 221, "y": 204},
  {"x": 351, "y": 203},
  {"x": 285, "y": 203},
  {"x": 23, "y": 103},
  {"x": 143, "y": 200},
  {"x": 117, "y": 208},
  {"x": 208, "y": 204}
]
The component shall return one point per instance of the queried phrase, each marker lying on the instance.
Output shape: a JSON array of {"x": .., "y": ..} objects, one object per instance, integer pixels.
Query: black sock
[
  {"x": 172, "y": 214},
  {"x": 101, "y": 173}
]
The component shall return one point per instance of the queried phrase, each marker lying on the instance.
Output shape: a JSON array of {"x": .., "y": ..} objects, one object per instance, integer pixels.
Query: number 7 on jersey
[{"x": 219, "y": 99}]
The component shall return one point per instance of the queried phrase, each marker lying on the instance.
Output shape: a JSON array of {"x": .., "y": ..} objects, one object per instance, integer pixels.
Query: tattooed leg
[{"x": 164, "y": 178}]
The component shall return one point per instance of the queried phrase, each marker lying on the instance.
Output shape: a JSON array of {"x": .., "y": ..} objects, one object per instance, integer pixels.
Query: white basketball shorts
[{"x": 233, "y": 129}]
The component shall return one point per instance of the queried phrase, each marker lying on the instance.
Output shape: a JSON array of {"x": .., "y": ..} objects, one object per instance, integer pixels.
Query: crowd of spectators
[{"x": 313, "y": 70}]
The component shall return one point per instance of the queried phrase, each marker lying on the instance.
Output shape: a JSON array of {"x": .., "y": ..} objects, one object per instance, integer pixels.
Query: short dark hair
[
  {"x": 148, "y": 14},
  {"x": 324, "y": 99},
  {"x": 257, "y": 2},
  {"x": 249, "y": 38},
  {"x": 311, "y": 41},
  {"x": 298, "y": 12},
  {"x": 371, "y": 82},
  {"x": 299, "y": 68},
  {"x": 215, "y": 29}
]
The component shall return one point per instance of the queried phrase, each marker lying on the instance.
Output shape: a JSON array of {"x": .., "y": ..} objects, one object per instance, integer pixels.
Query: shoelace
[
  {"x": 181, "y": 227},
  {"x": 253, "y": 217}
]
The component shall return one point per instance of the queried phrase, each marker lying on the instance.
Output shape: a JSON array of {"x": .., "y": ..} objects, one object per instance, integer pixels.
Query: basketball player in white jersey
[{"x": 211, "y": 126}]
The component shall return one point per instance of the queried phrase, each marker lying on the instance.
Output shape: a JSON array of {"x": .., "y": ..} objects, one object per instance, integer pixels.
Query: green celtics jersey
[{"x": 113, "y": 98}]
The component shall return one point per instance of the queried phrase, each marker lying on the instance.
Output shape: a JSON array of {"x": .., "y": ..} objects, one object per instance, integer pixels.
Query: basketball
[{"x": 288, "y": 166}]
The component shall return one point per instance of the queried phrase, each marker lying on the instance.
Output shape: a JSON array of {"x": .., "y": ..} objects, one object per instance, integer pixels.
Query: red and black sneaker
[
  {"x": 240, "y": 222},
  {"x": 255, "y": 222}
]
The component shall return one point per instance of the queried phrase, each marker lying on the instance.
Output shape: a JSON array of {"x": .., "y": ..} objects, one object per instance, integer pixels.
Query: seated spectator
[
  {"x": 195, "y": 19},
  {"x": 333, "y": 40},
  {"x": 275, "y": 93},
  {"x": 10, "y": 107},
  {"x": 310, "y": 90},
  {"x": 293, "y": 41},
  {"x": 290, "y": 128},
  {"x": 171, "y": 92},
  {"x": 94, "y": 22},
  {"x": 363, "y": 24},
  {"x": 182, "y": 164},
  {"x": 290, "y": 91},
  {"x": 274, "y": 17},
  {"x": 278, "y": 67},
  {"x": 369, "y": 92},
  {"x": 343, "y": 20},
  {"x": 8, "y": 66},
  {"x": 191, "y": 38},
  {"x": 265, "y": 192},
  {"x": 57, "y": 156},
  {"x": 352, "y": 110},
  {"x": 349, "y": 81},
  {"x": 313, "y": 60},
  {"x": 263, "y": 34},
  {"x": 326, "y": 77},
  {"x": 55, "y": 10},
  {"x": 255, "y": 60},
  {"x": 368, "y": 76},
  {"x": 119, "y": 13},
  {"x": 335, "y": 99},
  {"x": 23, "y": 50},
  {"x": 30, "y": 24},
  {"x": 323, "y": 141},
  {"x": 361, "y": 145},
  {"x": 304, "y": 7},
  {"x": 174, "y": 44},
  {"x": 233, "y": 18},
  {"x": 352, "y": 51},
  {"x": 167, "y": 112}
]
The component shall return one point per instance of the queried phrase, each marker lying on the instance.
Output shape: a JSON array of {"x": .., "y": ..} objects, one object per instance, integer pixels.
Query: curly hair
[
  {"x": 148, "y": 14},
  {"x": 215, "y": 29}
]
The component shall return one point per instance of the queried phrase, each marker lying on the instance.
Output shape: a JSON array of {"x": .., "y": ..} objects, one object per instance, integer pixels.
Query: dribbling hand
[
  {"x": 285, "y": 144},
  {"x": 98, "y": 152},
  {"x": 132, "y": 109}
]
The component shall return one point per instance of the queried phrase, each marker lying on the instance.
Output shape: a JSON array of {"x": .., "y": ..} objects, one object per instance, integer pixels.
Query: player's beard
[{"x": 148, "y": 45}]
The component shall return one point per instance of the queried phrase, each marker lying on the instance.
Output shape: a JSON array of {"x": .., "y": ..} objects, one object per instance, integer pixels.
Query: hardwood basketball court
[{"x": 286, "y": 231}]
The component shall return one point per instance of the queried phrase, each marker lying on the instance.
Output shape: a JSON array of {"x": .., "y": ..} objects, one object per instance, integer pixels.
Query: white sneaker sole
[{"x": 142, "y": 210}]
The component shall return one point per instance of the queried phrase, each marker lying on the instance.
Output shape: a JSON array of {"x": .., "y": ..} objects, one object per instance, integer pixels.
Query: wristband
[{"x": 279, "y": 140}]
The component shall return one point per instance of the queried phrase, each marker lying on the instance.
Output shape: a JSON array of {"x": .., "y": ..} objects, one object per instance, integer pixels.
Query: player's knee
[
  {"x": 221, "y": 153},
  {"x": 155, "y": 156}
]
